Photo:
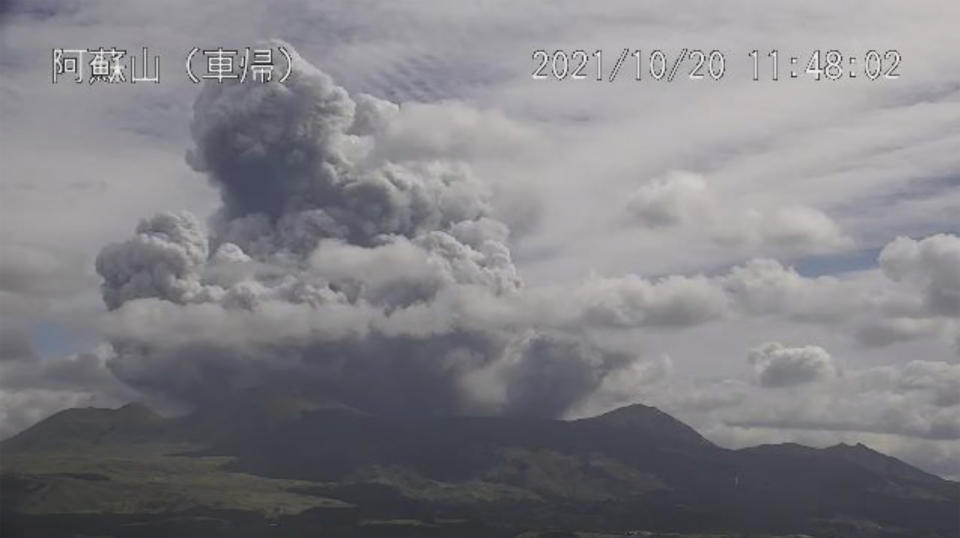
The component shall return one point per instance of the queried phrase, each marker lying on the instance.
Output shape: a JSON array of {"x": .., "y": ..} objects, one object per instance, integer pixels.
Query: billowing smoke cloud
[
  {"x": 333, "y": 272},
  {"x": 163, "y": 260}
]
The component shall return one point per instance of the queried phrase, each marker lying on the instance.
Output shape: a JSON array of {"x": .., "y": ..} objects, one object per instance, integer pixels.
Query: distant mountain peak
[
  {"x": 857, "y": 450},
  {"x": 651, "y": 422},
  {"x": 630, "y": 412},
  {"x": 133, "y": 421},
  {"x": 636, "y": 414},
  {"x": 868, "y": 458}
]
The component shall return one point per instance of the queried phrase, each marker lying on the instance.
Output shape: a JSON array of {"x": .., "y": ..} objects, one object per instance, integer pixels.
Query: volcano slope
[{"x": 259, "y": 466}]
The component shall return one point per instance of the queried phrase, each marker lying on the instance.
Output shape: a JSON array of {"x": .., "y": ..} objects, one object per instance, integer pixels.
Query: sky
[{"x": 413, "y": 222}]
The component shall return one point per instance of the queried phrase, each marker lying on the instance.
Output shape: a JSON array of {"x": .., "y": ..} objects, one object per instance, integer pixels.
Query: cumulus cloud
[
  {"x": 684, "y": 199},
  {"x": 801, "y": 226},
  {"x": 442, "y": 130},
  {"x": 765, "y": 286},
  {"x": 940, "y": 379},
  {"x": 916, "y": 399},
  {"x": 633, "y": 301},
  {"x": 777, "y": 365},
  {"x": 932, "y": 263},
  {"x": 672, "y": 200}
]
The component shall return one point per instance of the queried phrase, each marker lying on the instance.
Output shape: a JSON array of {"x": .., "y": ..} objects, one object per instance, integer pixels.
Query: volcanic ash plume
[{"x": 333, "y": 272}]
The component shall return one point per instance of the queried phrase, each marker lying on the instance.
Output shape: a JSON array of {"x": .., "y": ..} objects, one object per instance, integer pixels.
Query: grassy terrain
[
  {"x": 146, "y": 478},
  {"x": 411, "y": 485}
]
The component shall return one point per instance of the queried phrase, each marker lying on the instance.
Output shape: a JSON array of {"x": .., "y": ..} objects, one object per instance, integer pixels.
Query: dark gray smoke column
[{"x": 329, "y": 272}]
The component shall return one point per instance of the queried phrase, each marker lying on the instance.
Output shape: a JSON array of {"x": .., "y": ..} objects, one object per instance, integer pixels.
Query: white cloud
[
  {"x": 932, "y": 263},
  {"x": 675, "y": 199},
  {"x": 687, "y": 200},
  {"x": 779, "y": 366},
  {"x": 908, "y": 411}
]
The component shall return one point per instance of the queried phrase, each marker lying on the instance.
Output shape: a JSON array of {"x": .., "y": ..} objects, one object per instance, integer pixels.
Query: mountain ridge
[{"x": 633, "y": 465}]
